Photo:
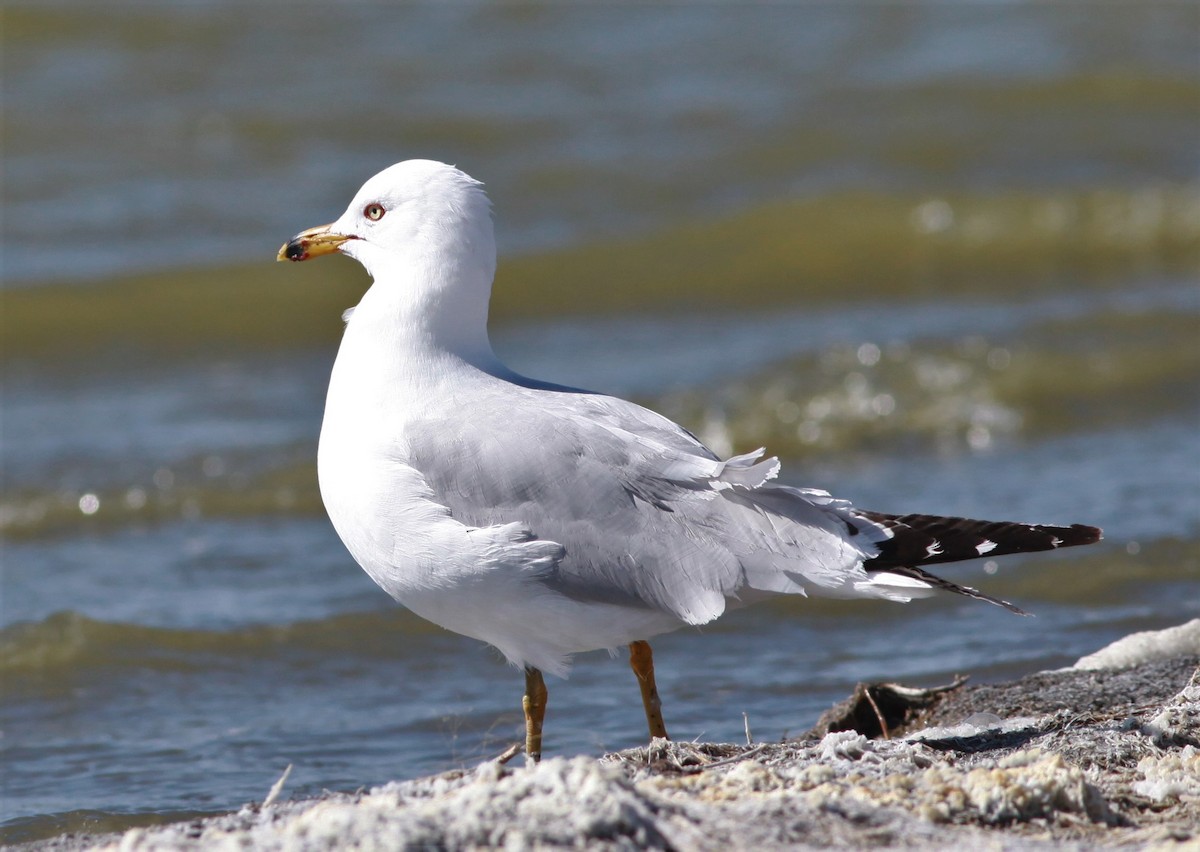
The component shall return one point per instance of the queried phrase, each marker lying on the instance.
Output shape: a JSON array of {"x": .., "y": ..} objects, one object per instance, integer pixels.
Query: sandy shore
[{"x": 1106, "y": 754}]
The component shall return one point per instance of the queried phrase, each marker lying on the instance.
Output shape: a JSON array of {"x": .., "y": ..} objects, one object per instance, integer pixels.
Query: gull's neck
[{"x": 420, "y": 315}]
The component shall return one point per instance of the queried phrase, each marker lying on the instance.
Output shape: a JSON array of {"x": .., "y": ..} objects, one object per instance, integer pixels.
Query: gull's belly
[{"x": 380, "y": 510}]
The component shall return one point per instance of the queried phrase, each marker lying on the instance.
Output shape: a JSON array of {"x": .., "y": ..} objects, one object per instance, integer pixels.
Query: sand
[{"x": 1082, "y": 758}]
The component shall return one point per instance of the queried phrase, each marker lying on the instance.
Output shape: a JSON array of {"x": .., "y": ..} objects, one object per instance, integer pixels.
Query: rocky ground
[{"x": 1106, "y": 754}]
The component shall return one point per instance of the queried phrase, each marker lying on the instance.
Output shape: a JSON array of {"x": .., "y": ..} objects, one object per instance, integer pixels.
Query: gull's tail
[{"x": 919, "y": 540}]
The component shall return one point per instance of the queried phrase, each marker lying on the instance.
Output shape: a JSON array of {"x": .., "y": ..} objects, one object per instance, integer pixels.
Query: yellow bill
[{"x": 312, "y": 243}]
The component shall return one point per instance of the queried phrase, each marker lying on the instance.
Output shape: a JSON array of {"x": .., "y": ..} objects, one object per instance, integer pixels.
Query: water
[{"x": 938, "y": 259}]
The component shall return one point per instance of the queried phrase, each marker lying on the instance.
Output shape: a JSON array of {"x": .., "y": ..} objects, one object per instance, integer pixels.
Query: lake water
[{"x": 938, "y": 259}]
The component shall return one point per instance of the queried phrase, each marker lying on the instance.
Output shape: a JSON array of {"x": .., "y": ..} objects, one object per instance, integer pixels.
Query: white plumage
[{"x": 542, "y": 519}]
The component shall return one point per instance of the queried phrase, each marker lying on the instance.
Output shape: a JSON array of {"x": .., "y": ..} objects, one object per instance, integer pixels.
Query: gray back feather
[{"x": 647, "y": 515}]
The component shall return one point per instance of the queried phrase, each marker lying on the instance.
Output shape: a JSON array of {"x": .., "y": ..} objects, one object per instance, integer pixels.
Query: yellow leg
[
  {"x": 641, "y": 660},
  {"x": 534, "y": 704}
]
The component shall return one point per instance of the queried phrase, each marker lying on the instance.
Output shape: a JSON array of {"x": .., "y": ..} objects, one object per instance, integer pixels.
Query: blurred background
[{"x": 938, "y": 258}]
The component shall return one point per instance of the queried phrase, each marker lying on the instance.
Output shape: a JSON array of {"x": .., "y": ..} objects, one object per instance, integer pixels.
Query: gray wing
[{"x": 647, "y": 515}]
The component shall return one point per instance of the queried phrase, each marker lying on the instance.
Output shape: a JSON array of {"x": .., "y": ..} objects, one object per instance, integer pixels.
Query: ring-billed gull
[{"x": 548, "y": 520}]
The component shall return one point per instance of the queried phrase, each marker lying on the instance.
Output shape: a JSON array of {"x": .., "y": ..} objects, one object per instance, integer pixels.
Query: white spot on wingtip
[{"x": 985, "y": 546}]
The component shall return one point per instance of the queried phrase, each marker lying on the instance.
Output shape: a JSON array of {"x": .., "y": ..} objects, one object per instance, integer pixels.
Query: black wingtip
[
  {"x": 1083, "y": 534},
  {"x": 919, "y": 540},
  {"x": 932, "y": 539}
]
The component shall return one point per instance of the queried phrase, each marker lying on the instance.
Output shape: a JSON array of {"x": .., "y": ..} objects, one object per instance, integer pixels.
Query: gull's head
[{"x": 419, "y": 217}]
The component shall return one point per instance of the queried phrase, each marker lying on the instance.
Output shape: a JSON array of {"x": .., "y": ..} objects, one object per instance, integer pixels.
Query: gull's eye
[{"x": 374, "y": 212}]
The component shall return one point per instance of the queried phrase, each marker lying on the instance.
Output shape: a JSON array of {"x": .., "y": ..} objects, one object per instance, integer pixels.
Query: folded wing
[{"x": 649, "y": 517}]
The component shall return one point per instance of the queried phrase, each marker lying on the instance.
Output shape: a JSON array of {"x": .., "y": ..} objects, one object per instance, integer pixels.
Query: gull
[{"x": 548, "y": 520}]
